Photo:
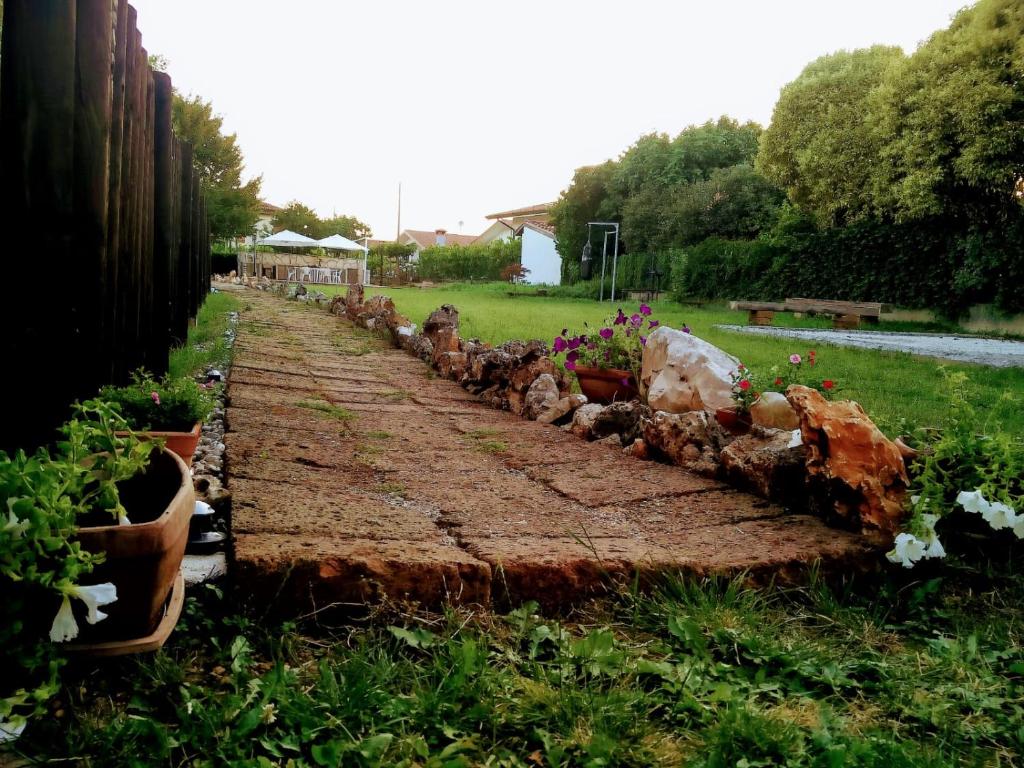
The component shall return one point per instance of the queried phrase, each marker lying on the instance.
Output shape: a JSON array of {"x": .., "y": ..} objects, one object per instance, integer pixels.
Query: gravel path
[
  {"x": 357, "y": 476},
  {"x": 962, "y": 349}
]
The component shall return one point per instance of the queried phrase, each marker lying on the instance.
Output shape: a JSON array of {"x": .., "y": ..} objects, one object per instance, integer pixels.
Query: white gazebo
[
  {"x": 341, "y": 243},
  {"x": 288, "y": 239}
]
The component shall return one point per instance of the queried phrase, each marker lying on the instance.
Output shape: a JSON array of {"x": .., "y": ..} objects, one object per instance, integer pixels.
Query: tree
[
  {"x": 232, "y": 207},
  {"x": 823, "y": 145},
  {"x": 953, "y": 115},
  {"x": 586, "y": 199},
  {"x": 300, "y": 218}
]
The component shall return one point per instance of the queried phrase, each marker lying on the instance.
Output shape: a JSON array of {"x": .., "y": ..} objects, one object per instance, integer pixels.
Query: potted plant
[
  {"x": 736, "y": 418},
  {"x": 93, "y": 537},
  {"x": 172, "y": 410},
  {"x": 607, "y": 361}
]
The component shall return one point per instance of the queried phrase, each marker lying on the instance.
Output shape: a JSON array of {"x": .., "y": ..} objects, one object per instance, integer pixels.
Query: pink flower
[
  {"x": 155, "y": 397},
  {"x": 606, "y": 333},
  {"x": 636, "y": 320},
  {"x": 570, "y": 365},
  {"x": 559, "y": 345},
  {"x": 645, "y": 310},
  {"x": 795, "y": 359}
]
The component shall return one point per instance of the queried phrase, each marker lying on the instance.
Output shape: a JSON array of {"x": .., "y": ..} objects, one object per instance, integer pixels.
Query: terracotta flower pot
[
  {"x": 605, "y": 385},
  {"x": 142, "y": 559},
  {"x": 734, "y": 420},
  {"x": 182, "y": 443}
]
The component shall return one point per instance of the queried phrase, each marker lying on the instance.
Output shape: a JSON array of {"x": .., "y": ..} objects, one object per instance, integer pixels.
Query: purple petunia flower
[
  {"x": 643, "y": 341},
  {"x": 575, "y": 342},
  {"x": 620, "y": 319},
  {"x": 573, "y": 356},
  {"x": 591, "y": 345},
  {"x": 607, "y": 333},
  {"x": 645, "y": 310},
  {"x": 636, "y": 320},
  {"x": 570, "y": 365},
  {"x": 686, "y": 328},
  {"x": 559, "y": 345},
  {"x": 653, "y": 324}
]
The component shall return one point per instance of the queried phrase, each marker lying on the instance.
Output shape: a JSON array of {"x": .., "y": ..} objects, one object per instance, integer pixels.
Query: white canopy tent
[
  {"x": 340, "y": 243},
  {"x": 288, "y": 239}
]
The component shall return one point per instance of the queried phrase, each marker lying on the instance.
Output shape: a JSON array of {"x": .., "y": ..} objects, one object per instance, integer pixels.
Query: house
[
  {"x": 267, "y": 212},
  {"x": 539, "y": 254},
  {"x": 508, "y": 224},
  {"x": 533, "y": 225},
  {"x": 423, "y": 239}
]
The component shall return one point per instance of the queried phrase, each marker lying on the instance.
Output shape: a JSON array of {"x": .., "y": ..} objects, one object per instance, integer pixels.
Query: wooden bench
[{"x": 844, "y": 314}]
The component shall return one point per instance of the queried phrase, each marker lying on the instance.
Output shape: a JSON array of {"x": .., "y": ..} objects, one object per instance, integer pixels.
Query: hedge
[
  {"x": 468, "y": 262},
  {"x": 922, "y": 264}
]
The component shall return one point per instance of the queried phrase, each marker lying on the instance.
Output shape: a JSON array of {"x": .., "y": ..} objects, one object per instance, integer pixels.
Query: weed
[
  {"x": 391, "y": 489},
  {"x": 397, "y": 395},
  {"x": 379, "y": 434},
  {"x": 328, "y": 409}
]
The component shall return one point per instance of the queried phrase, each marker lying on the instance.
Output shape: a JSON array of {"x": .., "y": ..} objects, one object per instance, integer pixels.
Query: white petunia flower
[
  {"x": 14, "y": 526},
  {"x": 9, "y": 731},
  {"x": 908, "y": 550},
  {"x": 972, "y": 501},
  {"x": 933, "y": 547},
  {"x": 64, "y": 626},
  {"x": 1000, "y": 516},
  {"x": 94, "y": 596}
]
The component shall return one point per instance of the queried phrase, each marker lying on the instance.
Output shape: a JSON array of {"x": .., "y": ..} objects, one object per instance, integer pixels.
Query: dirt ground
[{"x": 358, "y": 476}]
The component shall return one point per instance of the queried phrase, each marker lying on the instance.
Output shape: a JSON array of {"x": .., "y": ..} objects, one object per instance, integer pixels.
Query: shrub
[
  {"x": 171, "y": 404},
  {"x": 468, "y": 262},
  {"x": 722, "y": 269},
  {"x": 44, "y": 495}
]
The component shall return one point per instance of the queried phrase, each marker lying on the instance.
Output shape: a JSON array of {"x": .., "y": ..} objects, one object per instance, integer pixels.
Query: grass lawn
[
  {"x": 898, "y": 390},
  {"x": 919, "y": 674},
  {"x": 206, "y": 343}
]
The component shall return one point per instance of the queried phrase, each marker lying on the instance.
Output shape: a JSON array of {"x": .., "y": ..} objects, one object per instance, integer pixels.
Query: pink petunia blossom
[
  {"x": 570, "y": 365},
  {"x": 645, "y": 310},
  {"x": 795, "y": 359},
  {"x": 636, "y": 320},
  {"x": 155, "y": 397},
  {"x": 607, "y": 333}
]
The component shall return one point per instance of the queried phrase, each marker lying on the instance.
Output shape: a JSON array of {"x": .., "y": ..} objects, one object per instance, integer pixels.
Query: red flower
[
  {"x": 778, "y": 381},
  {"x": 828, "y": 384},
  {"x": 745, "y": 385}
]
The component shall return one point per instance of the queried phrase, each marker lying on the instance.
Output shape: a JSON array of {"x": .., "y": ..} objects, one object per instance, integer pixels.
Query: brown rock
[
  {"x": 451, "y": 365},
  {"x": 420, "y": 346},
  {"x": 353, "y": 301},
  {"x": 683, "y": 438},
  {"x": 541, "y": 396},
  {"x": 623, "y": 418},
  {"x": 562, "y": 408},
  {"x": 583, "y": 420},
  {"x": 773, "y": 411},
  {"x": 209, "y": 488},
  {"x": 637, "y": 449},
  {"x": 855, "y": 473},
  {"x": 763, "y": 462},
  {"x": 445, "y": 317}
]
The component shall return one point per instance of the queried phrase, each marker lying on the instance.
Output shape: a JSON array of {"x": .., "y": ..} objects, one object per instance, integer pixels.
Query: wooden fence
[{"x": 96, "y": 186}]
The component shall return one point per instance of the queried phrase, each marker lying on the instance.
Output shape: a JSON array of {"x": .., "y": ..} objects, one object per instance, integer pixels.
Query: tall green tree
[
  {"x": 232, "y": 207},
  {"x": 585, "y": 200},
  {"x": 953, "y": 115},
  {"x": 300, "y": 218},
  {"x": 823, "y": 144}
]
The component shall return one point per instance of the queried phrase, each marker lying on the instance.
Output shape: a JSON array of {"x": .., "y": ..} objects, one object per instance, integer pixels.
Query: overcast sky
[{"x": 478, "y": 107}]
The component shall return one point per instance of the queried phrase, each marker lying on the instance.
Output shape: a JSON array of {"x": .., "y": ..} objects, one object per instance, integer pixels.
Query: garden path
[{"x": 357, "y": 476}]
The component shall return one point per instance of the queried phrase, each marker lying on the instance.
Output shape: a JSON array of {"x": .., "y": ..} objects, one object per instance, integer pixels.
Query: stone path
[
  {"x": 358, "y": 476},
  {"x": 1001, "y": 353}
]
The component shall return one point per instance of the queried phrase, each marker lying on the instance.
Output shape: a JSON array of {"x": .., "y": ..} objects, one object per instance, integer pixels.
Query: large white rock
[{"x": 684, "y": 373}]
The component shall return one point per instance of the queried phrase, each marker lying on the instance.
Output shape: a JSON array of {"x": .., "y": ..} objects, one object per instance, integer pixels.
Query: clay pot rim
[
  {"x": 184, "y": 488},
  {"x": 194, "y": 432},
  {"x": 606, "y": 373}
]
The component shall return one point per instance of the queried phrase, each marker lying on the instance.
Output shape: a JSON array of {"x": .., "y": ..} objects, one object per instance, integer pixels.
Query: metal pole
[
  {"x": 615, "y": 260},
  {"x": 604, "y": 253}
]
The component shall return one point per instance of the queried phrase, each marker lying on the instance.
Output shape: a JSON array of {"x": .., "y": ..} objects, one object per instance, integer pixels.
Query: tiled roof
[
  {"x": 541, "y": 226},
  {"x": 426, "y": 239},
  {"x": 267, "y": 209},
  {"x": 527, "y": 211}
]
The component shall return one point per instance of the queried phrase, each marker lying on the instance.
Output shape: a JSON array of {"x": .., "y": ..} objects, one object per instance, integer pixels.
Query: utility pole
[{"x": 398, "y": 230}]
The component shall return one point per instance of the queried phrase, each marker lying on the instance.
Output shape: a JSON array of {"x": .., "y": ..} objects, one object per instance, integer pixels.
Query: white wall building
[{"x": 539, "y": 254}]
